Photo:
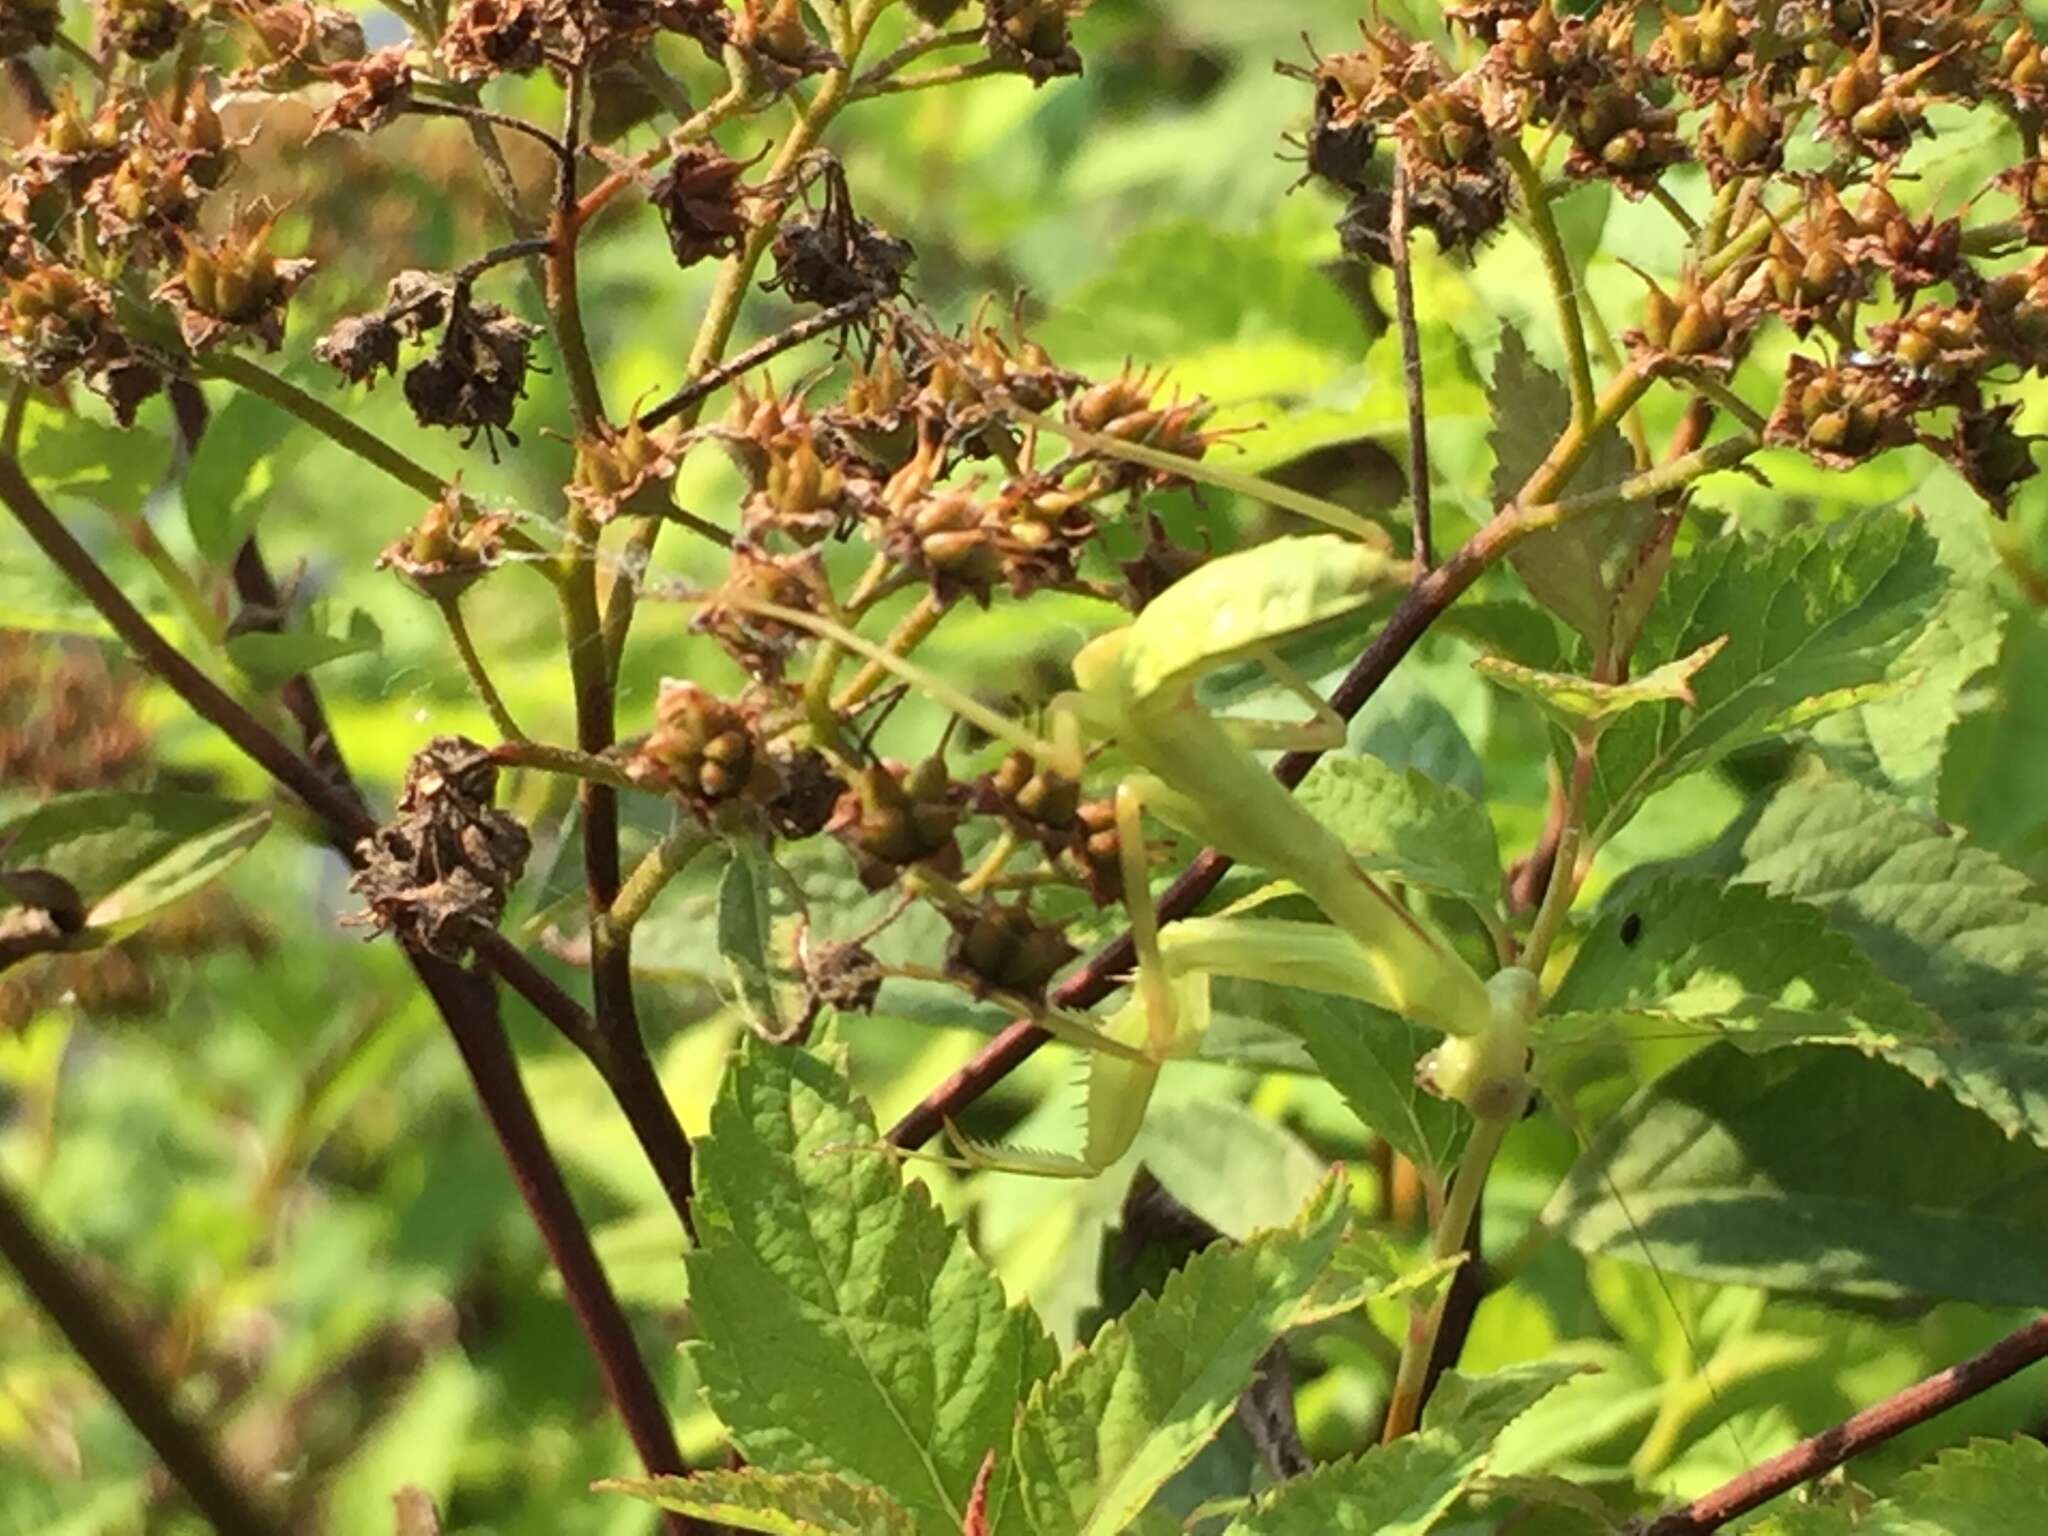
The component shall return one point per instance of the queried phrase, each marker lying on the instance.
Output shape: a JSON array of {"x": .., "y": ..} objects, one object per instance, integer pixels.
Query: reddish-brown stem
[
  {"x": 116, "y": 1362},
  {"x": 1860, "y": 1432},
  {"x": 470, "y": 1006},
  {"x": 462, "y": 997}
]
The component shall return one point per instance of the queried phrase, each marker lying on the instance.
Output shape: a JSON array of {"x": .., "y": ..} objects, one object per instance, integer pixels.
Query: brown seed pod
[
  {"x": 450, "y": 548},
  {"x": 494, "y": 37},
  {"x": 27, "y": 24},
  {"x": 142, "y": 29},
  {"x": 447, "y": 860},
  {"x": 1033, "y": 37},
  {"x": 1004, "y": 949},
  {"x": 701, "y": 202},
  {"x": 894, "y": 816},
  {"x": 476, "y": 375},
  {"x": 371, "y": 92}
]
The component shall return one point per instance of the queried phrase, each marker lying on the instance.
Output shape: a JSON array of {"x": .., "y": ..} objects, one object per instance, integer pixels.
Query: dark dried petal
[
  {"x": 702, "y": 204},
  {"x": 494, "y": 37},
  {"x": 358, "y": 347},
  {"x": 373, "y": 92}
]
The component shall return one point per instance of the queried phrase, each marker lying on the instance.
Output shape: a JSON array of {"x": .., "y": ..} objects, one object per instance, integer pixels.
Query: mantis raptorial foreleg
[{"x": 1197, "y": 772}]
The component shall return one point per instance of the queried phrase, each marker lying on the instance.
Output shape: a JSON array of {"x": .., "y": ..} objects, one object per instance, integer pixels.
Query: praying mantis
[{"x": 1197, "y": 772}]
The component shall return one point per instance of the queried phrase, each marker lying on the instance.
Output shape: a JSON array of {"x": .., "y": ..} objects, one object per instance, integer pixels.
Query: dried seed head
[
  {"x": 703, "y": 749},
  {"x": 837, "y": 255},
  {"x": 841, "y": 975},
  {"x": 142, "y": 202},
  {"x": 1742, "y": 138},
  {"x": 773, "y": 33},
  {"x": 55, "y": 322},
  {"x": 358, "y": 347},
  {"x": 494, "y": 37},
  {"x": 233, "y": 287},
  {"x": 804, "y": 496},
  {"x": 26, "y": 24},
  {"x": 372, "y": 92},
  {"x": 702, "y": 204},
  {"x": 142, "y": 29},
  {"x": 452, "y": 546},
  {"x": 292, "y": 44},
  {"x": 448, "y": 860},
  {"x": 476, "y": 375},
  {"x": 623, "y": 470},
  {"x": 1003, "y": 949},
  {"x": 892, "y": 817},
  {"x": 805, "y": 792},
  {"x": 760, "y": 643},
  {"x": 1033, "y": 37},
  {"x": 1988, "y": 453},
  {"x": 1841, "y": 416}
]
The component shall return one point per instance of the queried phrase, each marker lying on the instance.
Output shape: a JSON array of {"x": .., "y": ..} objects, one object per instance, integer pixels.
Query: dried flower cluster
[{"x": 1799, "y": 114}]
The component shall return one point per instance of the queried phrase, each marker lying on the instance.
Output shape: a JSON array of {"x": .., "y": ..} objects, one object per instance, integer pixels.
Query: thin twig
[
  {"x": 945, "y": 74},
  {"x": 1557, "y": 267},
  {"x": 1860, "y": 1432},
  {"x": 1411, "y": 374},
  {"x": 323, "y": 418},
  {"x": 562, "y": 152},
  {"x": 917, "y": 46},
  {"x": 473, "y": 664},
  {"x": 714, "y": 379},
  {"x": 116, "y": 1361},
  {"x": 470, "y": 1006}
]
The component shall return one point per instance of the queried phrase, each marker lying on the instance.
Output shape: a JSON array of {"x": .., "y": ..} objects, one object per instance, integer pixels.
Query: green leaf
[
  {"x": 1095, "y": 1442},
  {"x": 1407, "y": 826},
  {"x": 1694, "y": 960},
  {"x": 1577, "y": 702},
  {"x": 231, "y": 473},
  {"x": 95, "y": 460},
  {"x": 843, "y": 1326},
  {"x": 1985, "y": 1488},
  {"x": 1788, "y": 1171},
  {"x": 780, "y": 1503},
  {"x": 129, "y": 854},
  {"x": 1403, "y": 1489},
  {"x": 1900, "y": 742},
  {"x": 1814, "y": 622},
  {"x": 269, "y": 660},
  {"x": 1950, "y": 923},
  {"x": 1368, "y": 1266},
  {"x": 1369, "y": 1056},
  {"x": 1571, "y": 570},
  {"x": 745, "y": 927},
  {"x": 1471, "y": 1411},
  {"x": 1236, "y": 1170}
]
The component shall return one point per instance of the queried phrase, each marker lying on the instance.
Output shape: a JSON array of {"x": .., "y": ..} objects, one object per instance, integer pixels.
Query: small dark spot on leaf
[{"x": 1631, "y": 929}]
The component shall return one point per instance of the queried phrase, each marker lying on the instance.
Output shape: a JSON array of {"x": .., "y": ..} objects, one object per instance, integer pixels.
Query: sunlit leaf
[
  {"x": 843, "y": 1326},
  {"x": 1096, "y": 1441},
  {"x": 128, "y": 853},
  {"x": 1789, "y": 1171},
  {"x": 780, "y": 1503}
]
